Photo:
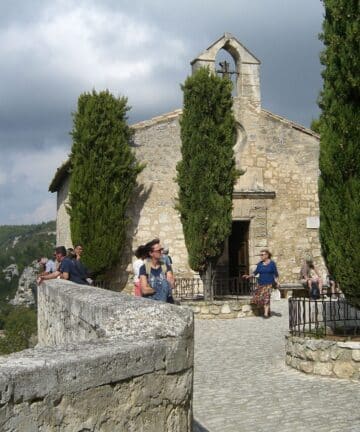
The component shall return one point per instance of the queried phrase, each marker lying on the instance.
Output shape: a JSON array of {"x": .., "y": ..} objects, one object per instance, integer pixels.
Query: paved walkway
[{"x": 243, "y": 385}]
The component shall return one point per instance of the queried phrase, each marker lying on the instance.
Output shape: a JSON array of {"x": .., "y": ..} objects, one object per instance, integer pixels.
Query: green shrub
[{"x": 19, "y": 325}]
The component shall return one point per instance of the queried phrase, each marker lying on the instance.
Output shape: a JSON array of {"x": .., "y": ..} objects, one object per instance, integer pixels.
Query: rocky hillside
[
  {"x": 20, "y": 245},
  {"x": 20, "y": 248}
]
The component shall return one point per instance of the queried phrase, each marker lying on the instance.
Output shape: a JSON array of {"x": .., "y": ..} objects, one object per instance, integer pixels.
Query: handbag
[{"x": 275, "y": 294}]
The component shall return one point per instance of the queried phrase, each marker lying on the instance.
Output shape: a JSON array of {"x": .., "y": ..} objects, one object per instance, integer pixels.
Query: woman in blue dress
[{"x": 268, "y": 278}]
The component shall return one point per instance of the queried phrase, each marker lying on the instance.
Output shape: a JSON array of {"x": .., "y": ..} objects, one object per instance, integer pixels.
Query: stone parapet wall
[
  {"x": 324, "y": 357},
  {"x": 105, "y": 362},
  {"x": 221, "y": 309}
]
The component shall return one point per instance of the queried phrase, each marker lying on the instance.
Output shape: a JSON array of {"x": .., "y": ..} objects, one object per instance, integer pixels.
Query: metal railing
[
  {"x": 193, "y": 288},
  {"x": 323, "y": 317}
]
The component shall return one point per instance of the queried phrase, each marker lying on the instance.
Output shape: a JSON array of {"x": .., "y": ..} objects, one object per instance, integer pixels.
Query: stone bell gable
[
  {"x": 247, "y": 68},
  {"x": 275, "y": 202}
]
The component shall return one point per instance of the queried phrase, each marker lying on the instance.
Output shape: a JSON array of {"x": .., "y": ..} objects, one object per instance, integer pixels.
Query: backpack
[
  {"x": 148, "y": 267},
  {"x": 163, "y": 292}
]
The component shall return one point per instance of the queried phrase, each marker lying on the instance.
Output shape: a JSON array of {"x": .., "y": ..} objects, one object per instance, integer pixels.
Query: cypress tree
[
  {"x": 339, "y": 183},
  {"x": 103, "y": 177},
  {"x": 207, "y": 173}
]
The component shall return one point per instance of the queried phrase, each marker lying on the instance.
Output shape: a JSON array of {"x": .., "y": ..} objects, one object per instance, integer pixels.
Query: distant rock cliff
[
  {"x": 10, "y": 272},
  {"x": 26, "y": 292},
  {"x": 20, "y": 247}
]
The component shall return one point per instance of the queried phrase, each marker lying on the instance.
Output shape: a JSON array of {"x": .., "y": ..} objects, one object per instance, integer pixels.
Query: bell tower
[{"x": 247, "y": 66}]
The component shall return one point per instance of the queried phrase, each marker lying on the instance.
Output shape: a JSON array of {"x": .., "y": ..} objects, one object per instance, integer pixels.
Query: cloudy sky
[{"x": 53, "y": 50}]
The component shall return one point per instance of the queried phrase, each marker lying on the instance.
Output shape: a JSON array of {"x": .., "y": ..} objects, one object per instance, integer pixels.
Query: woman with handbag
[{"x": 268, "y": 278}]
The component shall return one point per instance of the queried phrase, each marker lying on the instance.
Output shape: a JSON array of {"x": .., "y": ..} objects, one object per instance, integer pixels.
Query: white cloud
[
  {"x": 2, "y": 178},
  {"x": 24, "y": 192},
  {"x": 45, "y": 211},
  {"x": 92, "y": 45},
  {"x": 35, "y": 169}
]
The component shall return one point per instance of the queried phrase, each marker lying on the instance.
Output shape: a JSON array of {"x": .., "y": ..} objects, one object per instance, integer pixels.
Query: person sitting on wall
[
  {"x": 335, "y": 290},
  {"x": 310, "y": 278},
  {"x": 67, "y": 269},
  {"x": 82, "y": 269},
  {"x": 156, "y": 278},
  {"x": 48, "y": 265}
]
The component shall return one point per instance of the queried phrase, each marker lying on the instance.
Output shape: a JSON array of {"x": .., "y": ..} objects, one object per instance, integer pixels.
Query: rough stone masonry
[{"x": 105, "y": 362}]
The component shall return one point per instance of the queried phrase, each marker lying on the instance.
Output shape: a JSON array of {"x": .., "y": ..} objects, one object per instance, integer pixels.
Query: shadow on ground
[
  {"x": 275, "y": 314},
  {"x": 197, "y": 427}
]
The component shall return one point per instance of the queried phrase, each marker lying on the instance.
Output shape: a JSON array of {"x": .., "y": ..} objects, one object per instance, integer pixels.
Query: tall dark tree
[
  {"x": 207, "y": 173},
  {"x": 339, "y": 183},
  {"x": 103, "y": 177}
]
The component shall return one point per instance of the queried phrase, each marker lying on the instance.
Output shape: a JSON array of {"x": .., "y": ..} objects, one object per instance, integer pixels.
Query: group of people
[
  {"x": 153, "y": 275},
  {"x": 154, "y": 278},
  {"x": 67, "y": 265},
  {"x": 311, "y": 279},
  {"x": 268, "y": 278}
]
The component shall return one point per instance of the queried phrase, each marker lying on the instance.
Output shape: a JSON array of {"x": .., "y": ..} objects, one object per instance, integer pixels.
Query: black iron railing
[
  {"x": 193, "y": 288},
  {"x": 323, "y": 317}
]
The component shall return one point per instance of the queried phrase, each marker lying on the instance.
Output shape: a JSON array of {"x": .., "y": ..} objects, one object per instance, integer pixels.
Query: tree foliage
[
  {"x": 207, "y": 173},
  {"x": 103, "y": 177},
  {"x": 339, "y": 183},
  {"x": 19, "y": 324},
  {"x": 315, "y": 125}
]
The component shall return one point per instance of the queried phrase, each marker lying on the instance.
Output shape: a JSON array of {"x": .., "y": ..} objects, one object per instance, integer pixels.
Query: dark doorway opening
[{"x": 239, "y": 249}]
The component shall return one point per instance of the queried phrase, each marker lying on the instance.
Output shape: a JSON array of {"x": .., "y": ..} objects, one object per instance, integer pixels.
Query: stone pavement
[{"x": 243, "y": 385}]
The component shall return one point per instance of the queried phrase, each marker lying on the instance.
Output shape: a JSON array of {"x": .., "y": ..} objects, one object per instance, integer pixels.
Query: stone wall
[
  {"x": 278, "y": 157},
  {"x": 105, "y": 362},
  {"x": 221, "y": 309},
  {"x": 324, "y": 357},
  {"x": 158, "y": 143},
  {"x": 63, "y": 234}
]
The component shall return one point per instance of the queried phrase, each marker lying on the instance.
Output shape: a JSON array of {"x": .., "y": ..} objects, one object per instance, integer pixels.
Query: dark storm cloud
[{"x": 53, "y": 51}]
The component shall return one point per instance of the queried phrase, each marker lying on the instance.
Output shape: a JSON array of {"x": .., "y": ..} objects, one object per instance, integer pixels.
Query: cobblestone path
[{"x": 243, "y": 385}]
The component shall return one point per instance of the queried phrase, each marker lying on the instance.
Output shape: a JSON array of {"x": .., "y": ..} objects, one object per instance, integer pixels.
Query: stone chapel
[{"x": 275, "y": 203}]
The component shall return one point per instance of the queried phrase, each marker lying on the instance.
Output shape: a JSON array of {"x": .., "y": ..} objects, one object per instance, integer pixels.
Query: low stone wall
[
  {"x": 105, "y": 362},
  {"x": 324, "y": 357},
  {"x": 221, "y": 309}
]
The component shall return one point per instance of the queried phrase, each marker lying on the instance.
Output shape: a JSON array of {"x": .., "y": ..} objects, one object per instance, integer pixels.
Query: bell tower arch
[{"x": 247, "y": 67}]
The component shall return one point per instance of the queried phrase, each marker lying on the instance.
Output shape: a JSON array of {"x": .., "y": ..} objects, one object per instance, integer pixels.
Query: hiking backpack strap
[{"x": 148, "y": 267}]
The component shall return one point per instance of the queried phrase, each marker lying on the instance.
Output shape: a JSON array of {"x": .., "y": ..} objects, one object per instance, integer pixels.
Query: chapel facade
[{"x": 275, "y": 203}]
